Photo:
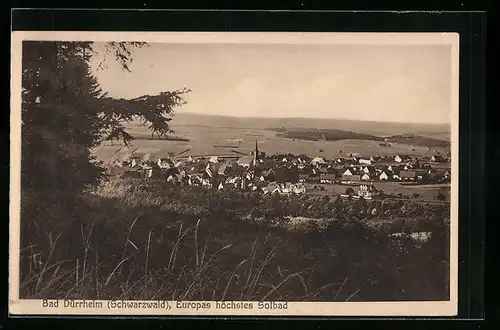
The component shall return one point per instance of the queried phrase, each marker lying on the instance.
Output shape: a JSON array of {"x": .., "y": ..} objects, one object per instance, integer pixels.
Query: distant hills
[
  {"x": 336, "y": 135},
  {"x": 377, "y": 129},
  {"x": 313, "y": 129},
  {"x": 418, "y": 140}
]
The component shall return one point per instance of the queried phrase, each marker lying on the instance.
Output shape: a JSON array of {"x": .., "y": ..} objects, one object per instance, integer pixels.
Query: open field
[
  {"x": 145, "y": 240},
  {"x": 203, "y": 140},
  {"x": 426, "y": 192}
]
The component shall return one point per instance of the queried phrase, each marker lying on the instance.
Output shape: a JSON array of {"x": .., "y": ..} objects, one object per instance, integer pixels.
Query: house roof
[
  {"x": 371, "y": 169},
  {"x": 317, "y": 160},
  {"x": 327, "y": 176},
  {"x": 245, "y": 160},
  {"x": 354, "y": 176},
  {"x": 353, "y": 170},
  {"x": 222, "y": 168},
  {"x": 407, "y": 174}
]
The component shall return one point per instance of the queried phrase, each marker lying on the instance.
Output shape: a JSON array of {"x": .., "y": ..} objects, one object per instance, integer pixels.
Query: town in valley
[
  {"x": 235, "y": 173},
  {"x": 350, "y": 175}
]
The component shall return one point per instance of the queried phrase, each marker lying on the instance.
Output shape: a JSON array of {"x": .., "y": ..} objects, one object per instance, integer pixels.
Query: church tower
[
  {"x": 255, "y": 159},
  {"x": 256, "y": 154}
]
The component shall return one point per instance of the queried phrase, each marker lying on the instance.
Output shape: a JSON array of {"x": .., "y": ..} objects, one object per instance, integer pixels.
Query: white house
[
  {"x": 365, "y": 177},
  {"x": 398, "y": 159},
  {"x": 214, "y": 159},
  {"x": 366, "y": 170},
  {"x": 365, "y": 161},
  {"x": 347, "y": 172},
  {"x": 284, "y": 160},
  {"x": 299, "y": 189},
  {"x": 365, "y": 192},
  {"x": 383, "y": 176},
  {"x": 221, "y": 186},
  {"x": 317, "y": 160},
  {"x": 276, "y": 190},
  {"x": 208, "y": 170}
]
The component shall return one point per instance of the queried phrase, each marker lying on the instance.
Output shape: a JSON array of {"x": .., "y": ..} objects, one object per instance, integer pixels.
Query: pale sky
[{"x": 397, "y": 83}]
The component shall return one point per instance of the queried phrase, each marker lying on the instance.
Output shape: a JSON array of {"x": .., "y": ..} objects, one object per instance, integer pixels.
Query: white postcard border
[{"x": 34, "y": 307}]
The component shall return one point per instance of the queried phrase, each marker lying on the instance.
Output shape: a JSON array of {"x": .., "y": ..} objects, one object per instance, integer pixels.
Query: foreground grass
[{"x": 139, "y": 240}]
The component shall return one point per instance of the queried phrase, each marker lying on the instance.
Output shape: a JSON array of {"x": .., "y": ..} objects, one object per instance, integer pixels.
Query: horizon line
[{"x": 319, "y": 118}]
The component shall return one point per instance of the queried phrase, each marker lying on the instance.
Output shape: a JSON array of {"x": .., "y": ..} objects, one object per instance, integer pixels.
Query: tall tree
[{"x": 65, "y": 114}]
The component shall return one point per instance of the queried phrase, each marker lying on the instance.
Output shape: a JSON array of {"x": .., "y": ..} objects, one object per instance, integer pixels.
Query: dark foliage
[{"x": 65, "y": 114}]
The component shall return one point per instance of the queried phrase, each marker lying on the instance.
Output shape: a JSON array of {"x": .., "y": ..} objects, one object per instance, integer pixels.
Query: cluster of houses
[
  {"x": 364, "y": 191},
  {"x": 358, "y": 170},
  {"x": 282, "y": 173}
]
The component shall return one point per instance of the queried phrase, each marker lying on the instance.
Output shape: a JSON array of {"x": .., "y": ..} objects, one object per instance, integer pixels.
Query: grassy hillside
[{"x": 146, "y": 239}]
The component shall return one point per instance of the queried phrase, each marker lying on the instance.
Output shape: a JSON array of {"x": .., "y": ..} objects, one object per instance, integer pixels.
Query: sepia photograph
[{"x": 234, "y": 173}]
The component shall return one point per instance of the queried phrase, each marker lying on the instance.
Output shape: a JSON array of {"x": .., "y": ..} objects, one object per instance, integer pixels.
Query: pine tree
[
  {"x": 59, "y": 118},
  {"x": 65, "y": 114}
]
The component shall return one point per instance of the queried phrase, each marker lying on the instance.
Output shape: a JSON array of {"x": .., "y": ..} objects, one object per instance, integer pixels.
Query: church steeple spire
[{"x": 256, "y": 154}]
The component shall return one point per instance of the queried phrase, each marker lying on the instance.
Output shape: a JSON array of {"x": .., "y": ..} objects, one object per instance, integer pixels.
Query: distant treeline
[
  {"x": 327, "y": 134},
  {"x": 418, "y": 140},
  {"x": 336, "y": 135}
]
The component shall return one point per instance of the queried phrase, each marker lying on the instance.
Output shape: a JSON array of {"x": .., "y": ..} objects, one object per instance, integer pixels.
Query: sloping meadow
[{"x": 147, "y": 239}]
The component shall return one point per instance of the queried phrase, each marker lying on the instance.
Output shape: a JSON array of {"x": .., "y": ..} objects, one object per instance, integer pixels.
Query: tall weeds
[{"x": 135, "y": 245}]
